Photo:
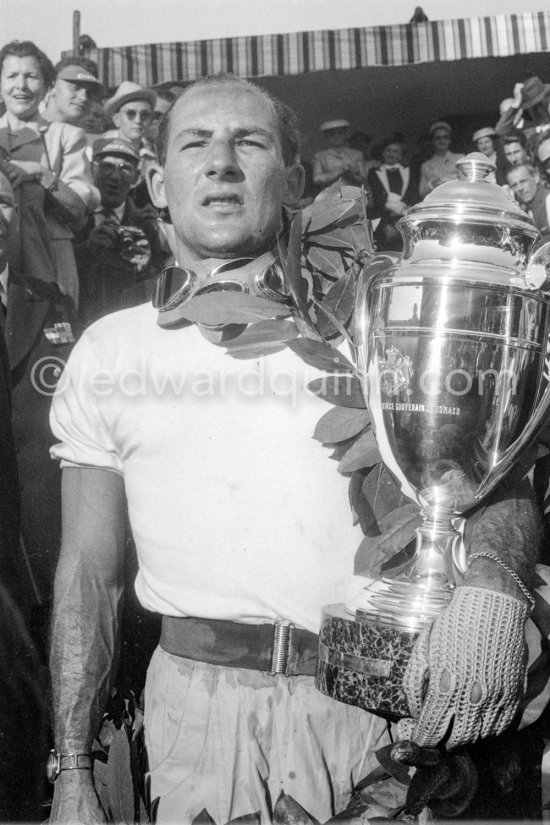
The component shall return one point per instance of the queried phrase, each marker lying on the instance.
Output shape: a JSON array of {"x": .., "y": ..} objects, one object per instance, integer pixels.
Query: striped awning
[{"x": 297, "y": 53}]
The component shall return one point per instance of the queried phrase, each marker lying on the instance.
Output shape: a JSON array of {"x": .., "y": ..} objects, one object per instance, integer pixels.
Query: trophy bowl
[{"x": 454, "y": 363}]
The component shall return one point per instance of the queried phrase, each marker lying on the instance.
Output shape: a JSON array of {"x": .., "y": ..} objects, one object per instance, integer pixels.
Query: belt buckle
[{"x": 281, "y": 647}]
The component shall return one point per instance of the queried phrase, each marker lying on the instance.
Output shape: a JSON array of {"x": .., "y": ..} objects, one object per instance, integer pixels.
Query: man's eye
[
  {"x": 193, "y": 144},
  {"x": 251, "y": 142}
]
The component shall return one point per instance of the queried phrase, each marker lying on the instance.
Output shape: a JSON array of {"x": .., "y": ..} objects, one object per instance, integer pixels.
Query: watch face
[{"x": 52, "y": 766}]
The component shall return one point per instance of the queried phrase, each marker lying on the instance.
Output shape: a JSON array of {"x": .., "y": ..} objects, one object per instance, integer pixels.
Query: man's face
[
  {"x": 161, "y": 107},
  {"x": 485, "y": 145},
  {"x": 336, "y": 137},
  {"x": 71, "y": 99},
  {"x": 114, "y": 176},
  {"x": 133, "y": 118},
  {"x": 523, "y": 184},
  {"x": 7, "y": 217},
  {"x": 392, "y": 154},
  {"x": 224, "y": 180},
  {"x": 441, "y": 140},
  {"x": 515, "y": 154}
]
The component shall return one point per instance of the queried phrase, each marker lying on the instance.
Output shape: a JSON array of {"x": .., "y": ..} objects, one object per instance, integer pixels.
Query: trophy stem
[{"x": 412, "y": 594}]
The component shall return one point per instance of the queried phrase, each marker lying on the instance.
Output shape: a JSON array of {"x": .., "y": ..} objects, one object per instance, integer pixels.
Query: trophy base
[
  {"x": 362, "y": 663},
  {"x": 364, "y": 649}
]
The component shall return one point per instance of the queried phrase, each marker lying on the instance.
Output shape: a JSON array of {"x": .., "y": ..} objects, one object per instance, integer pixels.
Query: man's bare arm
[
  {"x": 509, "y": 526},
  {"x": 87, "y": 599}
]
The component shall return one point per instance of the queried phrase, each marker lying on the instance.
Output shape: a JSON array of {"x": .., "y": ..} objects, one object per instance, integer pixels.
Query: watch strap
[
  {"x": 75, "y": 761},
  {"x": 58, "y": 762}
]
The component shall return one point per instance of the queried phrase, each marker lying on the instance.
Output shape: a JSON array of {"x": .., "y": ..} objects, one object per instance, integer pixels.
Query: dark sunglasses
[{"x": 142, "y": 117}]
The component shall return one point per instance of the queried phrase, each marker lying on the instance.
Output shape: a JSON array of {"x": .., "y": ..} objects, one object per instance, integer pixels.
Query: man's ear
[
  {"x": 116, "y": 118},
  {"x": 295, "y": 182},
  {"x": 154, "y": 177}
]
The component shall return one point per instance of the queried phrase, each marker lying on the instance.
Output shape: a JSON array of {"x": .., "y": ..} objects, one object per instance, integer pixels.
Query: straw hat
[{"x": 126, "y": 92}]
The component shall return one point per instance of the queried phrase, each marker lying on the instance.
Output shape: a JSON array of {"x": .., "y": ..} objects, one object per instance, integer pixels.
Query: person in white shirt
[
  {"x": 441, "y": 167},
  {"x": 239, "y": 524}
]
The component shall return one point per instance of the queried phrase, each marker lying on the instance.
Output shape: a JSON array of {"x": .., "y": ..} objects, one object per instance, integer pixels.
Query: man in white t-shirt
[{"x": 241, "y": 525}]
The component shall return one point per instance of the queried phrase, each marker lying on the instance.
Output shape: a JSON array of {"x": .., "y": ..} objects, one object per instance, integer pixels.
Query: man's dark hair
[
  {"x": 84, "y": 63},
  {"x": 289, "y": 129},
  {"x": 26, "y": 48},
  {"x": 514, "y": 136}
]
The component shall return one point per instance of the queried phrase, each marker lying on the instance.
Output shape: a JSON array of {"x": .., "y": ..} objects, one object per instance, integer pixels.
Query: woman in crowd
[
  {"x": 440, "y": 168},
  {"x": 50, "y": 154}
]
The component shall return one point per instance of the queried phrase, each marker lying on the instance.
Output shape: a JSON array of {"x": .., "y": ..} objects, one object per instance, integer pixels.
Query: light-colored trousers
[{"x": 230, "y": 740}]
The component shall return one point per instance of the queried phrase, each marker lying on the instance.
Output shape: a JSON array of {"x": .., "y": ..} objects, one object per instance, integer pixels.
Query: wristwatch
[{"x": 58, "y": 762}]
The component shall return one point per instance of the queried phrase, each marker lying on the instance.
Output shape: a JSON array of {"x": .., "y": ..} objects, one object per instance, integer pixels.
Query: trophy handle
[{"x": 499, "y": 470}]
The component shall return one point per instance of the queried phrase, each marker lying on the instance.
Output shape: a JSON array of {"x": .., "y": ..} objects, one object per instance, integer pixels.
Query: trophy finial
[{"x": 475, "y": 167}]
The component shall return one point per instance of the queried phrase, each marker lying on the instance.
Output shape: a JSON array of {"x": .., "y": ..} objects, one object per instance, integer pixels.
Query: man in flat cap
[
  {"x": 75, "y": 88},
  {"x": 338, "y": 160},
  {"x": 121, "y": 239}
]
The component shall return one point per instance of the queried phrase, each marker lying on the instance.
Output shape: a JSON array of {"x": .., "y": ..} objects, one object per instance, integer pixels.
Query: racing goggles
[{"x": 177, "y": 285}]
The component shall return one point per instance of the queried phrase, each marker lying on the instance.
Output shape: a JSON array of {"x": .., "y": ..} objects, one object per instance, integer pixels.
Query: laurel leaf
[
  {"x": 363, "y": 452},
  {"x": 320, "y": 355},
  {"x": 339, "y": 424},
  {"x": 340, "y": 390}
]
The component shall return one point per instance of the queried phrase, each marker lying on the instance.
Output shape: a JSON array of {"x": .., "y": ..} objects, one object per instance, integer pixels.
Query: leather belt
[{"x": 278, "y": 649}]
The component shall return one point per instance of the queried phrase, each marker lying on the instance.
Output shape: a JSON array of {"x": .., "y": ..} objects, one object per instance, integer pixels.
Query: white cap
[
  {"x": 485, "y": 132},
  {"x": 340, "y": 123}
]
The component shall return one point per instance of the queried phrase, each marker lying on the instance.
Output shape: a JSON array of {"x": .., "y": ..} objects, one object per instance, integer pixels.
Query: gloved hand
[{"x": 466, "y": 673}]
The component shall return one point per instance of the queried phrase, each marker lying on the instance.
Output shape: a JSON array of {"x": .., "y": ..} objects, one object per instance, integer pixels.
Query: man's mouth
[{"x": 230, "y": 201}]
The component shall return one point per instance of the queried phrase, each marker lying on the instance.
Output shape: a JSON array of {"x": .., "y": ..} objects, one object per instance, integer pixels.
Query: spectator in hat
[
  {"x": 338, "y": 160},
  {"x": 441, "y": 167},
  {"x": 72, "y": 93},
  {"x": 121, "y": 242},
  {"x": 131, "y": 110},
  {"x": 507, "y": 119},
  {"x": 533, "y": 97},
  {"x": 485, "y": 141}
]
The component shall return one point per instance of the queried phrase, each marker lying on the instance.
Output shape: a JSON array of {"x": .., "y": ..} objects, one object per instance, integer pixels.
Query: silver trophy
[{"x": 454, "y": 361}]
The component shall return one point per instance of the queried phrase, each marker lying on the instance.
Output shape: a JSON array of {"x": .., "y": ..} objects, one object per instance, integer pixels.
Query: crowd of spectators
[{"x": 79, "y": 238}]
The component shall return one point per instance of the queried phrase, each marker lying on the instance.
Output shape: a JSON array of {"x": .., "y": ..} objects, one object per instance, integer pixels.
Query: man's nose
[{"x": 221, "y": 161}]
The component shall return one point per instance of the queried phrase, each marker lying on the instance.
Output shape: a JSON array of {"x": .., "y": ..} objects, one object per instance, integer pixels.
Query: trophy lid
[
  {"x": 470, "y": 218},
  {"x": 473, "y": 198}
]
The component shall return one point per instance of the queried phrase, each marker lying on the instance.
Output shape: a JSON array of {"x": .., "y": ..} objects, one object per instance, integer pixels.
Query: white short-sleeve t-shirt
[{"x": 236, "y": 511}]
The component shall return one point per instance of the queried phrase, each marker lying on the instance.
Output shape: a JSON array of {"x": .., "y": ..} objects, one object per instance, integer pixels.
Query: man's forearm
[
  {"x": 509, "y": 526},
  {"x": 88, "y": 592}
]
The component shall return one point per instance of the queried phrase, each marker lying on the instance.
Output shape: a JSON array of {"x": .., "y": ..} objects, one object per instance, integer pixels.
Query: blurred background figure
[
  {"x": 338, "y": 160},
  {"x": 441, "y": 167},
  {"x": 392, "y": 193},
  {"x": 514, "y": 147},
  {"x": 23, "y": 742},
  {"x": 163, "y": 101}
]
